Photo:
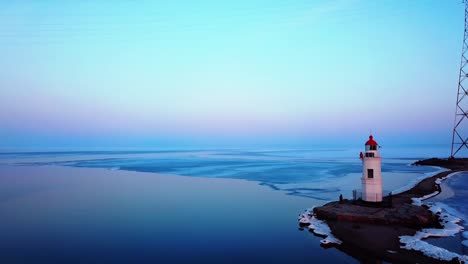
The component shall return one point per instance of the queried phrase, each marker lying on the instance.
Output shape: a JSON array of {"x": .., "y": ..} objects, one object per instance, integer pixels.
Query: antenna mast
[{"x": 459, "y": 136}]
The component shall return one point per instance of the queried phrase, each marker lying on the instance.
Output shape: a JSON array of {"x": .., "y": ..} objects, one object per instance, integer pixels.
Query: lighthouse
[{"x": 371, "y": 172}]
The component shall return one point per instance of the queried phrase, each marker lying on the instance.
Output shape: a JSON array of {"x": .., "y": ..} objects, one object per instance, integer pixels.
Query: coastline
[
  {"x": 370, "y": 240},
  {"x": 113, "y": 191}
]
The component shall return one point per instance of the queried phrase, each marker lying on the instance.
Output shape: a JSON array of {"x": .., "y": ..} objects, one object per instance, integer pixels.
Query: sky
[{"x": 214, "y": 74}]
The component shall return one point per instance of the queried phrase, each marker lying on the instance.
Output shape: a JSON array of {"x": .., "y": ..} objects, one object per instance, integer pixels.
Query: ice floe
[{"x": 318, "y": 227}]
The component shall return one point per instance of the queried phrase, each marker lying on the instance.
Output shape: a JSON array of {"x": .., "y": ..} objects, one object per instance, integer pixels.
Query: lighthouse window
[
  {"x": 370, "y": 173},
  {"x": 369, "y": 155},
  {"x": 373, "y": 147}
]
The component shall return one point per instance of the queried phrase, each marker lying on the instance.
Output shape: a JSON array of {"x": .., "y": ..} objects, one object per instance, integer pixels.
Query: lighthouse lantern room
[{"x": 371, "y": 172}]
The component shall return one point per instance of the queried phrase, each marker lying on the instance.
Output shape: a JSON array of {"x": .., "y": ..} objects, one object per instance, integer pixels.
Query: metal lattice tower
[{"x": 459, "y": 137}]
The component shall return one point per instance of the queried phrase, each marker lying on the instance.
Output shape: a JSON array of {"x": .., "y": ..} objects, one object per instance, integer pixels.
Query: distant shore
[{"x": 374, "y": 233}]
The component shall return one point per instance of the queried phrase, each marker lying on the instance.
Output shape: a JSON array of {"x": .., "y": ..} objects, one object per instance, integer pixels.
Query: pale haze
[{"x": 205, "y": 74}]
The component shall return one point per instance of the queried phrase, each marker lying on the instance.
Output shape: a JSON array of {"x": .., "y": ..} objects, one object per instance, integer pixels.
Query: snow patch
[{"x": 318, "y": 227}]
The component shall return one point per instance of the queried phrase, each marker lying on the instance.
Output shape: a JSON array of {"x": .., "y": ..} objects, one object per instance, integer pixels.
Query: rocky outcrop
[
  {"x": 371, "y": 232},
  {"x": 407, "y": 215},
  {"x": 450, "y": 163}
]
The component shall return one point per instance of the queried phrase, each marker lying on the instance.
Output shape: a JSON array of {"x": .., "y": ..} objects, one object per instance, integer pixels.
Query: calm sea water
[{"x": 235, "y": 205}]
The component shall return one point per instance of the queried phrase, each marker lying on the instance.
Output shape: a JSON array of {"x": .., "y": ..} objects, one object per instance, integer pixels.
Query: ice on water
[
  {"x": 318, "y": 227},
  {"x": 451, "y": 220},
  {"x": 322, "y": 174}
]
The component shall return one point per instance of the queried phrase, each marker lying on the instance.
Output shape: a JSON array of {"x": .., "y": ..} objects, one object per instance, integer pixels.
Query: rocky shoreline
[{"x": 369, "y": 233}]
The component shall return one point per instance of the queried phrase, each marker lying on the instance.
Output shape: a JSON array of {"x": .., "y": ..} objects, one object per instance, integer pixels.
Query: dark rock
[
  {"x": 405, "y": 215},
  {"x": 453, "y": 164},
  {"x": 356, "y": 223}
]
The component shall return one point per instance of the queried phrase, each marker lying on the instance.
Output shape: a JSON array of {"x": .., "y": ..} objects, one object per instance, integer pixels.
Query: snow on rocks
[
  {"x": 450, "y": 228},
  {"x": 450, "y": 225},
  {"x": 318, "y": 227}
]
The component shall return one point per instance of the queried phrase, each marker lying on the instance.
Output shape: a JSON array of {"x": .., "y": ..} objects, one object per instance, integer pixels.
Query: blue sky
[{"x": 149, "y": 74}]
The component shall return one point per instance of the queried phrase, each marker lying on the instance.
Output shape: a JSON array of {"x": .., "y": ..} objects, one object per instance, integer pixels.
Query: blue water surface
[
  {"x": 299, "y": 172},
  {"x": 234, "y": 206}
]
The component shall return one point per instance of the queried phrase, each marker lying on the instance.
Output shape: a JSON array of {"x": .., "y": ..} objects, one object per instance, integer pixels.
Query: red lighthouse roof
[{"x": 371, "y": 141}]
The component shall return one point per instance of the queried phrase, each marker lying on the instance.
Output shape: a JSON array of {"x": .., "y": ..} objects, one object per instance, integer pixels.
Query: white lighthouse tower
[{"x": 371, "y": 172}]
